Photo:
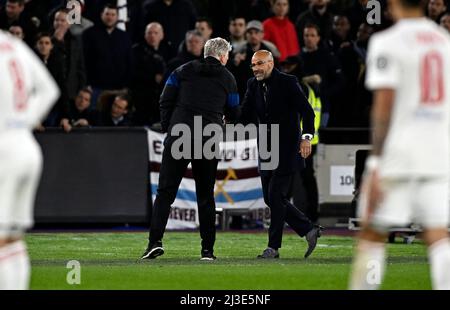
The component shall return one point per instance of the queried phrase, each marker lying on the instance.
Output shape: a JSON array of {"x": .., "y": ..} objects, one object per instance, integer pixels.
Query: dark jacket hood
[{"x": 208, "y": 66}]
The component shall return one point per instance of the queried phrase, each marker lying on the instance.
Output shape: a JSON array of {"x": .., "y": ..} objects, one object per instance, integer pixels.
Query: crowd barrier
[
  {"x": 93, "y": 176},
  {"x": 103, "y": 175}
]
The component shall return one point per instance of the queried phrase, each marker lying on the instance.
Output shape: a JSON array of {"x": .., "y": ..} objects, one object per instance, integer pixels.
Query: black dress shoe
[
  {"x": 311, "y": 237},
  {"x": 269, "y": 253}
]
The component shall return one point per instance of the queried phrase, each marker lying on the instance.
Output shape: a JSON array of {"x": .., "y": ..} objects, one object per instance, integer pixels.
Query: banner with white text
[{"x": 238, "y": 185}]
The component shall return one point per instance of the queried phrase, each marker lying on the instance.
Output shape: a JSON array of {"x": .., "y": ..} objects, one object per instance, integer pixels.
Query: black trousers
[
  {"x": 170, "y": 175},
  {"x": 276, "y": 191},
  {"x": 305, "y": 192}
]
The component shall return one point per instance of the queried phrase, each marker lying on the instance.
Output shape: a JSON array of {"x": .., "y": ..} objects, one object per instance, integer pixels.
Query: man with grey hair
[
  {"x": 193, "y": 50},
  {"x": 217, "y": 48},
  {"x": 200, "y": 89}
]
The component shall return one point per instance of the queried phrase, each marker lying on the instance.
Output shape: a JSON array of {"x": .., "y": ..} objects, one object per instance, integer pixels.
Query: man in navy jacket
[
  {"x": 276, "y": 98},
  {"x": 201, "y": 89}
]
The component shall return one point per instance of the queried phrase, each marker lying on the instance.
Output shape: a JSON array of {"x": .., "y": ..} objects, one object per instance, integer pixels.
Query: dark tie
[{"x": 264, "y": 90}]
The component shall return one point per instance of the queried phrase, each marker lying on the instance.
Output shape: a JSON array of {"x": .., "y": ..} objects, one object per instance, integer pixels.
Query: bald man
[
  {"x": 154, "y": 34},
  {"x": 154, "y": 39},
  {"x": 276, "y": 98}
]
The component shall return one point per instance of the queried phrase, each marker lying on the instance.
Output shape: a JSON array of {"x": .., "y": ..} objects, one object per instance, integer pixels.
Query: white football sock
[
  {"x": 439, "y": 258},
  {"x": 14, "y": 266},
  {"x": 368, "y": 266}
]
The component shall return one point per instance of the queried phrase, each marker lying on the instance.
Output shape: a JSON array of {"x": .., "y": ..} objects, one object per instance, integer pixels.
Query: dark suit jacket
[
  {"x": 107, "y": 57},
  {"x": 286, "y": 105},
  {"x": 72, "y": 51}
]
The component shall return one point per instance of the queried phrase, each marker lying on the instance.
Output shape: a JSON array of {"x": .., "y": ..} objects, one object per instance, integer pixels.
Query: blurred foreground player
[
  {"x": 406, "y": 176},
  {"x": 27, "y": 93}
]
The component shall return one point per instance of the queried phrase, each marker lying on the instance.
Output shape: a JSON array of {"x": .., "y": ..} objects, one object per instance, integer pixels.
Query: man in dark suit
[{"x": 276, "y": 99}]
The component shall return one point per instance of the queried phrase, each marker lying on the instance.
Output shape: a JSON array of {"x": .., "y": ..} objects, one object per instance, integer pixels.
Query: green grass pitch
[{"x": 110, "y": 261}]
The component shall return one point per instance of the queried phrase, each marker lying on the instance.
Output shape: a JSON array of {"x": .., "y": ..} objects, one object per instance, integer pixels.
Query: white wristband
[
  {"x": 372, "y": 162},
  {"x": 307, "y": 136}
]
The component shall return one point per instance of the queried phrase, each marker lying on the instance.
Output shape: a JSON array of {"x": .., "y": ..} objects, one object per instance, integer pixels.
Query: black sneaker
[
  {"x": 311, "y": 237},
  {"x": 207, "y": 255},
  {"x": 269, "y": 253},
  {"x": 153, "y": 252}
]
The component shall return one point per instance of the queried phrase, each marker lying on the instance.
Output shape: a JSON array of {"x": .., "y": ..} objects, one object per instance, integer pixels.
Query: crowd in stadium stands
[{"x": 111, "y": 65}]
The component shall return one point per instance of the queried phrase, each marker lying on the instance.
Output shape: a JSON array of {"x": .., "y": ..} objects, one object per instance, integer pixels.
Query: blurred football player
[
  {"x": 27, "y": 93},
  {"x": 406, "y": 177}
]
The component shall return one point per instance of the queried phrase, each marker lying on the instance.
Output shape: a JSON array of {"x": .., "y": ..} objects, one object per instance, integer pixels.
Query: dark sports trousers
[
  {"x": 170, "y": 175},
  {"x": 276, "y": 193}
]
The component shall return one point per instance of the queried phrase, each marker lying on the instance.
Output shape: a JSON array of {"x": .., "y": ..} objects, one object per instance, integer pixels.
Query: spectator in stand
[
  {"x": 107, "y": 51},
  {"x": 260, "y": 10},
  {"x": 79, "y": 113},
  {"x": 340, "y": 34},
  {"x": 131, "y": 18},
  {"x": 37, "y": 12},
  {"x": 220, "y": 12},
  {"x": 445, "y": 21},
  {"x": 17, "y": 31},
  {"x": 241, "y": 59},
  {"x": 116, "y": 114},
  {"x": 297, "y": 7},
  {"x": 204, "y": 26},
  {"x": 355, "y": 100},
  {"x": 154, "y": 36},
  {"x": 12, "y": 14},
  {"x": 85, "y": 23},
  {"x": 176, "y": 17},
  {"x": 357, "y": 14},
  {"x": 70, "y": 46},
  {"x": 237, "y": 31},
  {"x": 319, "y": 66},
  {"x": 194, "y": 50},
  {"x": 386, "y": 18},
  {"x": 281, "y": 31},
  {"x": 129, "y": 15},
  {"x": 436, "y": 8},
  {"x": 146, "y": 83},
  {"x": 319, "y": 15},
  {"x": 55, "y": 65}
]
